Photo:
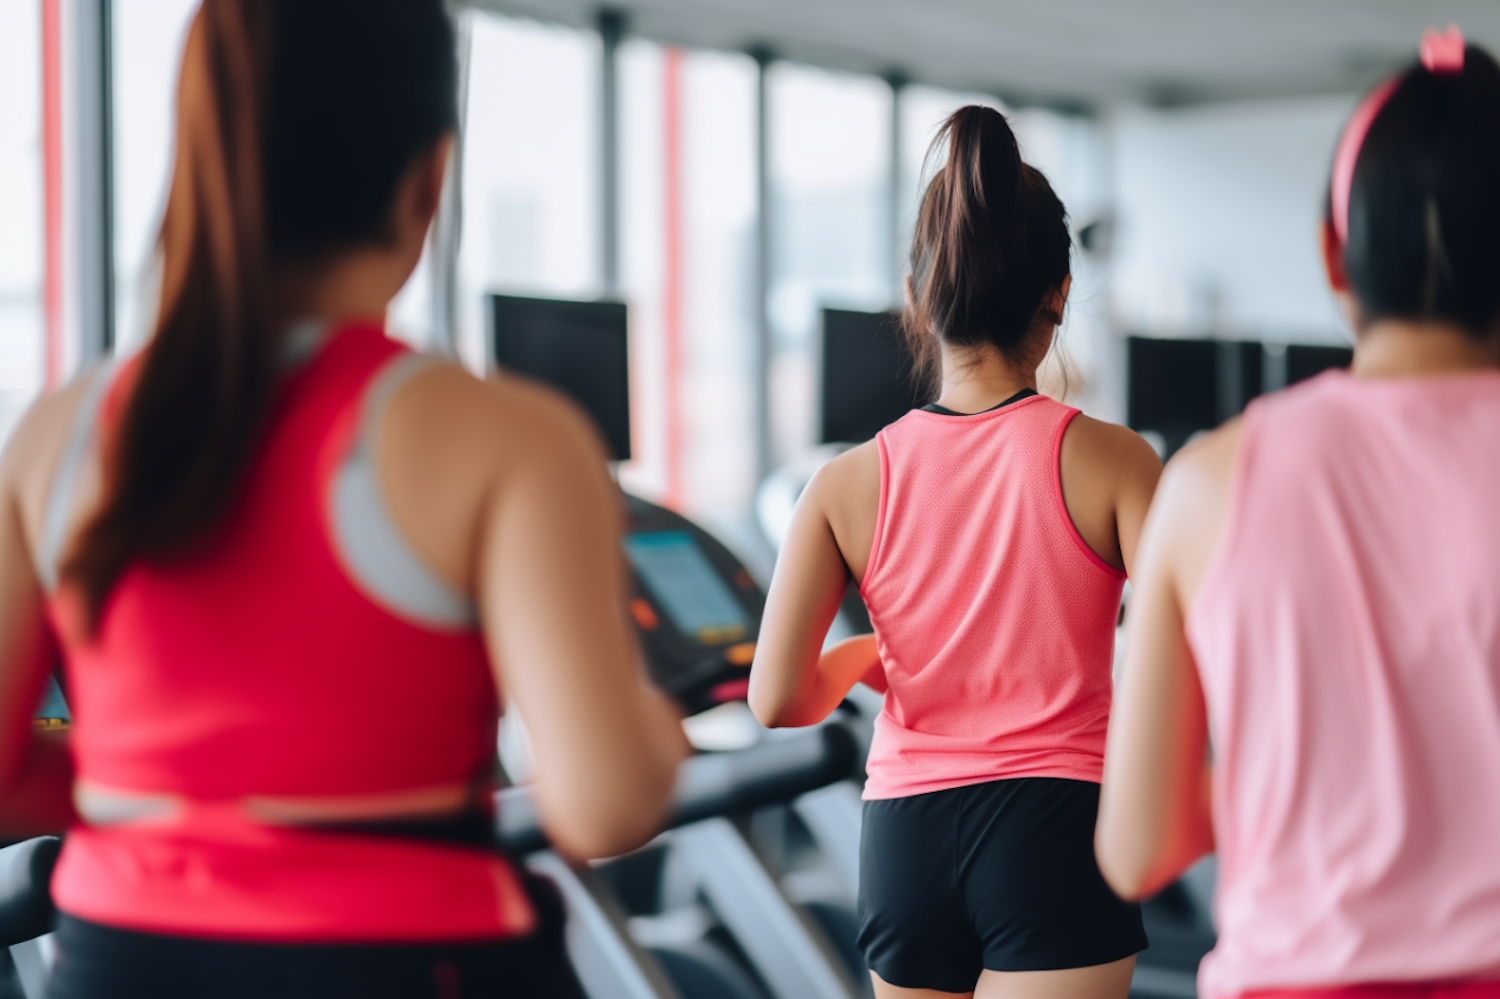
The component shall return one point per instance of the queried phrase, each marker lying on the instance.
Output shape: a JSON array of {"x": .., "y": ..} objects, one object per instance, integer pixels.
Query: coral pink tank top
[
  {"x": 1347, "y": 633},
  {"x": 995, "y": 621},
  {"x": 267, "y": 664}
]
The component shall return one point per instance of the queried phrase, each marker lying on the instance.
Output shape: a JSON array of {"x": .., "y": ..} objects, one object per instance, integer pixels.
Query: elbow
[
  {"x": 781, "y": 716},
  {"x": 600, "y": 841},
  {"x": 607, "y": 819},
  {"x": 771, "y": 716},
  {"x": 769, "y": 710},
  {"x": 1124, "y": 880},
  {"x": 785, "y": 709},
  {"x": 1126, "y": 871}
]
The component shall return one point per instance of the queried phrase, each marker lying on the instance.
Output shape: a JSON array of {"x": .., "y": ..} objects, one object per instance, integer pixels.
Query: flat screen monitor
[
  {"x": 1304, "y": 361},
  {"x": 1173, "y": 387},
  {"x": 582, "y": 349},
  {"x": 867, "y": 375},
  {"x": 695, "y": 597}
]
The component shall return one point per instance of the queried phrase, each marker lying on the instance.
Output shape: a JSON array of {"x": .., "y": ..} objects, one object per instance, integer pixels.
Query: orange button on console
[
  {"x": 742, "y": 654},
  {"x": 644, "y": 614}
]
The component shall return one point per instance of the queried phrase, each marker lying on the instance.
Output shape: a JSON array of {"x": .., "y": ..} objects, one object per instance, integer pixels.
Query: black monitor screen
[
  {"x": 867, "y": 375},
  {"x": 1173, "y": 386},
  {"x": 683, "y": 581},
  {"x": 1303, "y": 362},
  {"x": 580, "y": 348}
]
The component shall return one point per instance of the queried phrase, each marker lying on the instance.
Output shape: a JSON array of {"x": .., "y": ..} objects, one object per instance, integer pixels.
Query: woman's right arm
[
  {"x": 552, "y": 589},
  {"x": 1154, "y": 814},
  {"x": 36, "y": 767}
]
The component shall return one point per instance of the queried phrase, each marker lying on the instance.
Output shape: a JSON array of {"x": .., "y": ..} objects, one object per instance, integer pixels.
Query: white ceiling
[{"x": 1065, "y": 52}]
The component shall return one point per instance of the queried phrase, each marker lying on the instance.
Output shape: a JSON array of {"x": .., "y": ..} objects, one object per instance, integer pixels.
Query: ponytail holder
[{"x": 1443, "y": 53}]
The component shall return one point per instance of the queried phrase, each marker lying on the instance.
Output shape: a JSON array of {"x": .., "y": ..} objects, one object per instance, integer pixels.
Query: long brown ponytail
[
  {"x": 205, "y": 383},
  {"x": 296, "y": 121}
]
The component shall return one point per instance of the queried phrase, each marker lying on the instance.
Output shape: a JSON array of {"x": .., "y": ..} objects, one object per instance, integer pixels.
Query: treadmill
[{"x": 751, "y": 888}]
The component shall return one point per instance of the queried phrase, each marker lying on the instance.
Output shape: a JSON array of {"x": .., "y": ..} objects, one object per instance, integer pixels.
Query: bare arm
[
  {"x": 826, "y": 549},
  {"x": 1109, "y": 475},
  {"x": 1138, "y": 472},
  {"x": 36, "y": 768},
  {"x": 787, "y": 688},
  {"x": 551, "y": 585},
  {"x": 1154, "y": 816}
]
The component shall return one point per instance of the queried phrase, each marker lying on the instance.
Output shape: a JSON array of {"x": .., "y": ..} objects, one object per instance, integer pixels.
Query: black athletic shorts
[
  {"x": 998, "y": 875},
  {"x": 103, "y": 962}
]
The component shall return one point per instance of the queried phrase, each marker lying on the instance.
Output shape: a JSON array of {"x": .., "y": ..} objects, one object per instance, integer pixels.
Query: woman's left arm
[{"x": 788, "y": 687}]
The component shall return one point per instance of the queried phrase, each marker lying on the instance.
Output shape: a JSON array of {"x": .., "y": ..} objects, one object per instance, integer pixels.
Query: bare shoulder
[
  {"x": 503, "y": 419},
  {"x": 846, "y": 494},
  {"x": 1110, "y": 453},
  {"x": 852, "y": 475},
  {"x": 1191, "y": 505},
  {"x": 1202, "y": 469},
  {"x": 1109, "y": 446},
  {"x": 32, "y": 450}
]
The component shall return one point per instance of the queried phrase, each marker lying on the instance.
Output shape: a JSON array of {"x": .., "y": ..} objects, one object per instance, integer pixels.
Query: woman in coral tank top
[
  {"x": 1319, "y": 600},
  {"x": 288, "y": 566},
  {"x": 989, "y": 534}
]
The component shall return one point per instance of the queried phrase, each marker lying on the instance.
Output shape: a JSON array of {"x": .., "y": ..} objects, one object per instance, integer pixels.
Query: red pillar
[
  {"x": 673, "y": 292},
  {"x": 52, "y": 174}
]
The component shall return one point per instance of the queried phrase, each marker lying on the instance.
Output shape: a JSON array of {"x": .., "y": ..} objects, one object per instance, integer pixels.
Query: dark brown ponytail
[
  {"x": 991, "y": 241},
  {"x": 296, "y": 121}
]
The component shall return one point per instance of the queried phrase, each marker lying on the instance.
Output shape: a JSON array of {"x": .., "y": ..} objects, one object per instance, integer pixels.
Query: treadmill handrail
[
  {"x": 711, "y": 784},
  {"x": 25, "y": 902}
]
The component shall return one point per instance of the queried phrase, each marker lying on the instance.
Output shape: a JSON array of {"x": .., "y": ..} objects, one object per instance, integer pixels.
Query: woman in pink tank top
[
  {"x": 287, "y": 567},
  {"x": 1317, "y": 612},
  {"x": 989, "y": 534}
]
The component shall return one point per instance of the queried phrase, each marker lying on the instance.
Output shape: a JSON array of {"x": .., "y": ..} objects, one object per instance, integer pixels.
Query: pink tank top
[
  {"x": 276, "y": 662},
  {"x": 995, "y": 621},
  {"x": 1347, "y": 633}
]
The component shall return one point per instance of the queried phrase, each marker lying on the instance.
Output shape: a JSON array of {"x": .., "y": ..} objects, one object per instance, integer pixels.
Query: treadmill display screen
[
  {"x": 683, "y": 581},
  {"x": 53, "y": 707}
]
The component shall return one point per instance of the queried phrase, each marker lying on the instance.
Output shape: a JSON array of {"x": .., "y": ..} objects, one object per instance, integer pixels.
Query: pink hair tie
[{"x": 1443, "y": 53}]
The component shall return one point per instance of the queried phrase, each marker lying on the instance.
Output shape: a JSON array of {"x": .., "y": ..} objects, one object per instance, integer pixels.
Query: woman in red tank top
[
  {"x": 289, "y": 566},
  {"x": 989, "y": 534}
]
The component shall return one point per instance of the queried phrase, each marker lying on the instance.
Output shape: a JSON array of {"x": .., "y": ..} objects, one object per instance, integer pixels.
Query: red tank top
[
  {"x": 259, "y": 666},
  {"x": 994, "y": 619}
]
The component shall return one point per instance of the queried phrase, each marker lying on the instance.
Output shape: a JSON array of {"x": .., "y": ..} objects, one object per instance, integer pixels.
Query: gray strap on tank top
[
  {"x": 77, "y": 446},
  {"x": 373, "y": 550}
]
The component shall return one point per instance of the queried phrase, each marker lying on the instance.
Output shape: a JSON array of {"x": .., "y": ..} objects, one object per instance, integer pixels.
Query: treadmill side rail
[
  {"x": 786, "y": 949},
  {"x": 33, "y": 960},
  {"x": 607, "y": 960},
  {"x": 835, "y": 815}
]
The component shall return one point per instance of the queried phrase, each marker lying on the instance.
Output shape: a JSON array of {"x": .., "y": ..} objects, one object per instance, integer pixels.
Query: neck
[
  {"x": 1395, "y": 348},
  {"x": 356, "y": 285},
  {"x": 974, "y": 381}
]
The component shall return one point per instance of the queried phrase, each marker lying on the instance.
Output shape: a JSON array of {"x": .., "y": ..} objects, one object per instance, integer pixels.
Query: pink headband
[{"x": 1441, "y": 53}]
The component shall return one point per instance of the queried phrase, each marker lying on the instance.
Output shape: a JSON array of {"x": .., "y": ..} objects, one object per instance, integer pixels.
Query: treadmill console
[
  {"x": 696, "y": 608},
  {"x": 53, "y": 711}
]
